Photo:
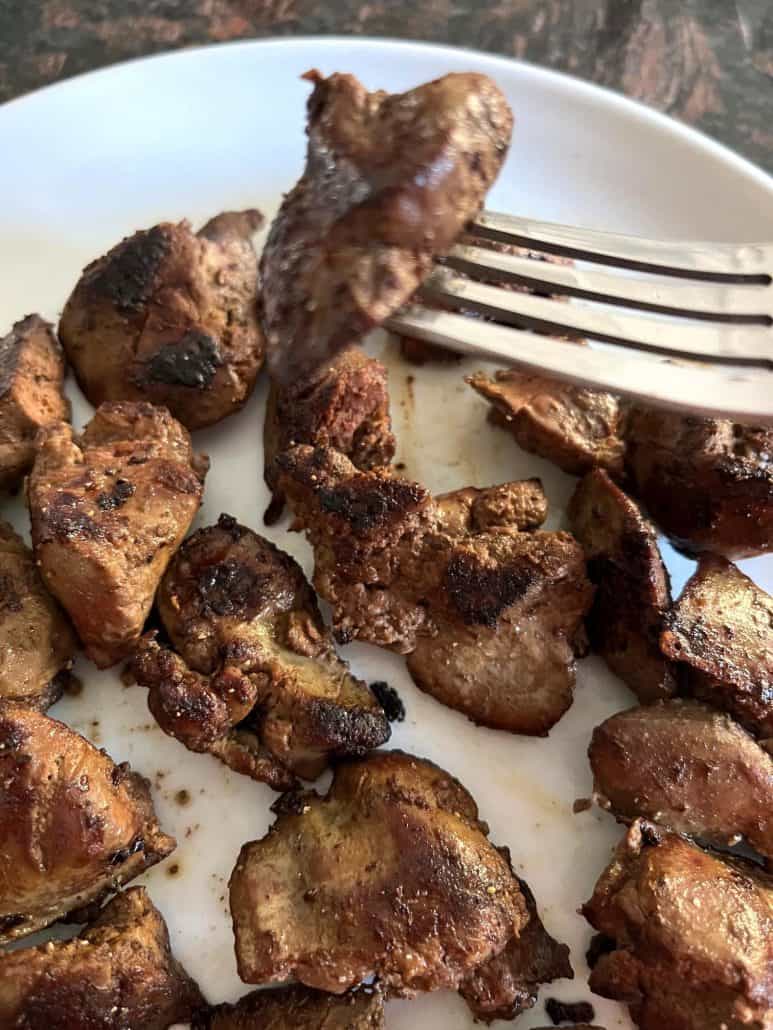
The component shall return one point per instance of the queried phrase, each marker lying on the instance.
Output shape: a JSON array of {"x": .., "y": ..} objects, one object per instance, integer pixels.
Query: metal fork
[{"x": 697, "y": 325}]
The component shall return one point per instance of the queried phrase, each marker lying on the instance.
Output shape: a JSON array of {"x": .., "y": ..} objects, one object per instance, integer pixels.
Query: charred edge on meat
[
  {"x": 481, "y": 594},
  {"x": 128, "y": 277},
  {"x": 191, "y": 362}
]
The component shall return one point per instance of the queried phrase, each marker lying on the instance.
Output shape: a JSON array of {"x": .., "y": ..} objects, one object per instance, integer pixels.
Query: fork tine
[
  {"x": 724, "y": 342},
  {"x": 718, "y": 301},
  {"x": 718, "y": 262},
  {"x": 738, "y": 394}
]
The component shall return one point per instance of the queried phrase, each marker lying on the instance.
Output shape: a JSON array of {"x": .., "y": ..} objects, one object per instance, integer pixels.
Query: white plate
[{"x": 87, "y": 162}]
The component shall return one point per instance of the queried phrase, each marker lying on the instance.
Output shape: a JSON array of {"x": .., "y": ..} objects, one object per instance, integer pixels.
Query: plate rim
[{"x": 603, "y": 95}]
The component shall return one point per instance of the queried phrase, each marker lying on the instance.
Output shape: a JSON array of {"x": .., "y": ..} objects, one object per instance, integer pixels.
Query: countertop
[{"x": 706, "y": 62}]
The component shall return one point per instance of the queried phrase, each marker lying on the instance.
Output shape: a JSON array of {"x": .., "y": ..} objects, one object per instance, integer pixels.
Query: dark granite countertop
[{"x": 707, "y": 62}]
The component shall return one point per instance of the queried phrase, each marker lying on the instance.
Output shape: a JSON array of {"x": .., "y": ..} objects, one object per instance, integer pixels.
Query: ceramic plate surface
[{"x": 190, "y": 134}]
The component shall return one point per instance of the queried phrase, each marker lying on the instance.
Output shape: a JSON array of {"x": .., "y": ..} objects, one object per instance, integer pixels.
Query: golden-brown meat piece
[
  {"x": 36, "y": 640},
  {"x": 73, "y": 825},
  {"x": 376, "y": 533},
  {"x": 721, "y": 628},
  {"x": 489, "y": 615},
  {"x": 108, "y": 509},
  {"x": 692, "y": 935},
  {"x": 389, "y": 875},
  {"x": 119, "y": 972},
  {"x": 707, "y": 483},
  {"x": 254, "y": 656},
  {"x": 344, "y": 406},
  {"x": 507, "y": 622},
  {"x": 170, "y": 316},
  {"x": 576, "y": 429},
  {"x": 31, "y": 380},
  {"x": 390, "y": 182},
  {"x": 522, "y": 505},
  {"x": 633, "y": 591},
  {"x": 689, "y": 767},
  {"x": 296, "y": 1008},
  {"x": 507, "y": 984},
  {"x": 209, "y": 714}
]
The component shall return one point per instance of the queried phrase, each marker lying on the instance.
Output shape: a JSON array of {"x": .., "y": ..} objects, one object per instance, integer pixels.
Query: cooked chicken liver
[
  {"x": 345, "y": 406},
  {"x": 721, "y": 629},
  {"x": 390, "y": 182},
  {"x": 389, "y": 874},
  {"x": 108, "y": 509},
  {"x": 707, "y": 483},
  {"x": 73, "y": 825},
  {"x": 576, "y": 429},
  {"x": 118, "y": 972},
  {"x": 297, "y": 1008},
  {"x": 36, "y": 640},
  {"x": 170, "y": 316},
  {"x": 31, "y": 380},
  {"x": 690, "y": 768},
  {"x": 490, "y": 615},
  {"x": 633, "y": 592},
  {"x": 690, "y": 935},
  {"x": 254, "y": 658}
]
